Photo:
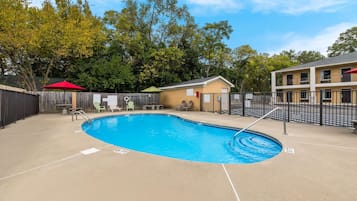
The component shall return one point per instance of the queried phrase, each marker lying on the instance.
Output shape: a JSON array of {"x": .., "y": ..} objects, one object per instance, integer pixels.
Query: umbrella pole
[{"x": 64, "y": 111}]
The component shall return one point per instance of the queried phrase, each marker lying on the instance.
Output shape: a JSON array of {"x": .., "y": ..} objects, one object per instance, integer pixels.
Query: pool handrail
[
  {"x": 256, "y": 121},
  {"x": 82, "y": 114}
]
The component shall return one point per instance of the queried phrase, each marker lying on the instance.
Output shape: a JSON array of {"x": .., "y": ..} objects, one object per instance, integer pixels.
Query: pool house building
[
  {"x": 200, "y": 92},
  {"x": 325, "y": 80}
]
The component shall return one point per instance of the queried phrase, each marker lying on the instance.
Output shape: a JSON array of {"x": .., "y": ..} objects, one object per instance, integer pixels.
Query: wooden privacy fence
[{"x": 49, "y": 100}]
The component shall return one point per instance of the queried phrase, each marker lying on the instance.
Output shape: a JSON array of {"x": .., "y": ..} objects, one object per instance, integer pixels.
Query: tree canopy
[
  {"x": 152, "y": 42},
  {"x": 346, "y": 43},
  {"x": 39, "y": 41}
]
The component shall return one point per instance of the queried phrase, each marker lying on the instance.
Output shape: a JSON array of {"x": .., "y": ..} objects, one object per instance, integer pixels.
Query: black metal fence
[
  {"x": 333, "y": 108},
  {"x": 17, "y": 105}
]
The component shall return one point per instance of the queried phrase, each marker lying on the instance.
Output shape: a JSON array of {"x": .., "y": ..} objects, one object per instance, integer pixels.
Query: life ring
[{"x": 126, "y": 98}]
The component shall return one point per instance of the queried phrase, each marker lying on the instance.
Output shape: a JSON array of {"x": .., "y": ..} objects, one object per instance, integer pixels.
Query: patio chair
[
  {"x": 189, "y": 106},
  {"x": 181, "y": 106},
  {"x": 98, "y": 107},
  {"x": 113, "y": 103},
  {"x": 114, "y": 107},
  {"x": 130, "y": 105}
]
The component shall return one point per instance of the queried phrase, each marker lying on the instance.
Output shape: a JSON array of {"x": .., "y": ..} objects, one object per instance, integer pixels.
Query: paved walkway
[{"x": 40, "y": 160}]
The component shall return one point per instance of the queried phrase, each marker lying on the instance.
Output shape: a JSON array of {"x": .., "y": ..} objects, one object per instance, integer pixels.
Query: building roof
[
  {"x": 330, "y": 61},
  {"x": 197, "y": 82}
]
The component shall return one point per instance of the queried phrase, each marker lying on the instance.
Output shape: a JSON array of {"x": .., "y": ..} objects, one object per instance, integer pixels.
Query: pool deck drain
[
  {"x": 89, "y": 151},
  {"x": 40, "y": 160},
  {"x": 289, "y": 150},
  {"x": 121, "y": 151}
]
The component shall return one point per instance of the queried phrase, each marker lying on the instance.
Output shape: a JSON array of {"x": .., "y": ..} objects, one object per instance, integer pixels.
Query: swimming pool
[{"x": 175, "y": 137}]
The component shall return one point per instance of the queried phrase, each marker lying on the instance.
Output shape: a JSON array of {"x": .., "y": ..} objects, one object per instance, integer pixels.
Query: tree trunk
[
  {"x": 28, "y": 78},
  {"x": 48, "y": 70}
]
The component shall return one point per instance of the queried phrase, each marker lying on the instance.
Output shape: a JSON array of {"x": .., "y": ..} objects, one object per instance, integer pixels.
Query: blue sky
[{"x": 268, "y": 26}]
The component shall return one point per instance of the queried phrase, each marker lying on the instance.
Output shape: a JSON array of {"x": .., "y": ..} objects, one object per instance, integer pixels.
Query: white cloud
[
  {"x": 298, "y": 6},
  {"x": 318, "y": 42},
  {"x": 208, "y": 6}
]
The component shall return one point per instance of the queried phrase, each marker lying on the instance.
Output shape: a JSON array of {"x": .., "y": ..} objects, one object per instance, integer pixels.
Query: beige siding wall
[
  {"x": 296, "y": 76},
  {"x": 336, "y": 73},
  {"x": 335, "y": 94},
  {"x": 216, "y": 87},
  {"x": 336, "y": 77},
  {"x": 171, "y": 98},
  {"x": 295, "y": 94}
]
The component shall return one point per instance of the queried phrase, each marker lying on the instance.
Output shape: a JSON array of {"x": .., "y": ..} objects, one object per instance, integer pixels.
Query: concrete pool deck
[{"x": 40, "y": 160}]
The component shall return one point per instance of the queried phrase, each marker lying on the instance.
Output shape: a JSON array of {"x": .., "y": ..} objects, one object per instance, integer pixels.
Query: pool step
[{"x": 253, "y": 148}]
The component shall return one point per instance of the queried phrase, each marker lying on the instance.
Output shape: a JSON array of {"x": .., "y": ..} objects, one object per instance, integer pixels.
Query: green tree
[
  {"x": 141, "y": 32},
  {"x": 240, "y": 58},
  {"x": 104, "y": 74},
  {"x": 212, "y": 45},
  {"x": 257, "y": 73},
  {"x": 302, "y": 57},
  {"x": 346, "y": 43},
  {"x": 162, "y": 67},
  {"x": 189, "y": 45},
  {"x": 65, "y": 32},
  {"x": 16, "y": 29},
  {"x": 251, "y": 71},
  {"x": 259, "y": 68},
  {"x": 38, "y": 41},
  {"x": 291, "y": 54}
]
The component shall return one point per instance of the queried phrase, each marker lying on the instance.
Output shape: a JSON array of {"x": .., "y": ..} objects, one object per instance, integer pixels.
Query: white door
[{"x": 224, "y": 99}]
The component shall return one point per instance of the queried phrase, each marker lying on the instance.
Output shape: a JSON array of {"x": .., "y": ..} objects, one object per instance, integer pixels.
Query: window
[
  {"x": 326, "y": 94},
  {"x": 345, "y": 77},
  {"x": 346, "y": 95},
  {"x": 325, "y": 76},
  {"x": 189, "y": 92},
  {"x": 304, "y": 96},
  {"x": 280, "y": 95},
  {"x": 206, "y": 98},
  {"x": 289, "y": 79},
  {"x": 304, "y": 78}
]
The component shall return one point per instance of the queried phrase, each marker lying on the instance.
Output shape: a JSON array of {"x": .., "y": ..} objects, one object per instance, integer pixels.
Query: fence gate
[{"x": 215, "y": 102}]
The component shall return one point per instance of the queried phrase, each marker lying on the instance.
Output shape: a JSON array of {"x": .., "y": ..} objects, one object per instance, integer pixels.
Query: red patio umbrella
[
  {"x": 353, "y": 70},
  {"x": 64, "y": 85}
]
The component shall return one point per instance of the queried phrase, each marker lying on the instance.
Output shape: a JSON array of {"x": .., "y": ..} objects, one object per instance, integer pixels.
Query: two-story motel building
[{"x": 305, "y": 83}]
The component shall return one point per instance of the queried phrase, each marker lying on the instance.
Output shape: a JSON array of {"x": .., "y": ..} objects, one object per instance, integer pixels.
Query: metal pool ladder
[
  {"x": 82, "y": 114},
  {"x": 256, "y": 121}
]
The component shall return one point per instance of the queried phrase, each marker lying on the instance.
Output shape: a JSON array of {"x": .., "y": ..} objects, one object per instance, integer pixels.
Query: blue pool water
[{"x": 174, "y": 137}]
